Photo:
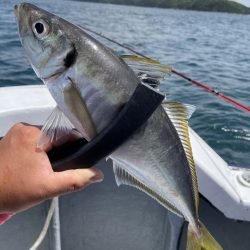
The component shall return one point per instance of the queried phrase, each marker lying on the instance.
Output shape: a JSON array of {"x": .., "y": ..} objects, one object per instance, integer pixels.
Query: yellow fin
[
  {"x": 203, "y": 241},
  {"x": 179, "y": 114},
  {"x": 149, "y": 71}
]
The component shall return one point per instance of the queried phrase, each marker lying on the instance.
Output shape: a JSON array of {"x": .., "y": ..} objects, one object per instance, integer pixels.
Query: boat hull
[{"x": 104, "y": 216}]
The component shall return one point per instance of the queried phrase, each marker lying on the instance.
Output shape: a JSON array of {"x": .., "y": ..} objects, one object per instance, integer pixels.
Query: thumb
[{"x": 74, "y": 179}]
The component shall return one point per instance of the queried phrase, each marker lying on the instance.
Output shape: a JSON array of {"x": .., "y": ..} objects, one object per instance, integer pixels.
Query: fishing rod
[{"x": 199, "y": 84}]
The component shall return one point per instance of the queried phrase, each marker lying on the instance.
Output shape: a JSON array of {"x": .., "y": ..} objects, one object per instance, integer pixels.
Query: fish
[{"x": 90, "y": 84}]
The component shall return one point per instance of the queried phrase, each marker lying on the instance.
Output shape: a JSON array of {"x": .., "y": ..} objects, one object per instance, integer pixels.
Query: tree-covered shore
[{"x": 201, "y": 5}]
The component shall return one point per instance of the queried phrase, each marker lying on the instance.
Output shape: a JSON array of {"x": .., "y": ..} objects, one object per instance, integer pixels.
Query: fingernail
[{"x": 98, "y": 177}]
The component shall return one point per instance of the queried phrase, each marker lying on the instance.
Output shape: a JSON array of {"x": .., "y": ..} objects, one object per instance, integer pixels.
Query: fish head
[
  {"x": 44, "y": 40},
  {"x": 52, "y": 45},
  {"x": 87, "y": 80}
]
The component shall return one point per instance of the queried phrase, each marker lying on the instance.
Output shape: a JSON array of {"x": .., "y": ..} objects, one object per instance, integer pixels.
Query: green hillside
[{"x": 202, "y": 5}]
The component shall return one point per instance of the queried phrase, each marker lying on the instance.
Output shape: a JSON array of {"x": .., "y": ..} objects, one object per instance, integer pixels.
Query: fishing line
[
  {"x": 199, "y": 84},
  {"x": 45, "y": 228}
]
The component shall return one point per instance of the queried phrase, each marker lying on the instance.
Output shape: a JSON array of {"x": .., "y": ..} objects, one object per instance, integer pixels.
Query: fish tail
[{"x": 202, "y": 240}]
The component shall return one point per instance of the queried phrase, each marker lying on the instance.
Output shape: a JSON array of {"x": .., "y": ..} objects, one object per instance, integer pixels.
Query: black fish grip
[{"x": 83, "y": 154}]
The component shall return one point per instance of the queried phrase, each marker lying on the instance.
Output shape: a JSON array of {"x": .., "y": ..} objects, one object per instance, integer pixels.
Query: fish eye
[{"x": 40, "y": 28}]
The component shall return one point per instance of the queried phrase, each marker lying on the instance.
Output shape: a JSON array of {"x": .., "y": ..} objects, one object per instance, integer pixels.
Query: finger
[
  {"x": 32, "y": 125},
  {"x": 34, "y": 135},
  {"x": 73, "y": 135},
  {"x": 46, "y": 143},
  {"x": 73, "y": 180},
  {"x": 24, "y": 132}
]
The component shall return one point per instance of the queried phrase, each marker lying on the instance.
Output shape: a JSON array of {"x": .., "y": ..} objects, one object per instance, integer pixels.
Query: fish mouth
[
  {"x": 23, "y": 7},
  {"x": 52, "y": 76},
  {"x": 16, "y": 9}
]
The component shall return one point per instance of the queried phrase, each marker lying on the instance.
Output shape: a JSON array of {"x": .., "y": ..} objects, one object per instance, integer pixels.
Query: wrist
[{"x": 4, "y": 217}]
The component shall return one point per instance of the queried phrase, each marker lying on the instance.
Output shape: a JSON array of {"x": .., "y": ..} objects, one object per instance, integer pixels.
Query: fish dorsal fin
[
  {"x": 184, "y": 110},
  {"x": 179, "y": 114},
  {"x": 149, "y": 71},
  {"x": 55, "y": 129},
  {"x": 125, "y": 178}
]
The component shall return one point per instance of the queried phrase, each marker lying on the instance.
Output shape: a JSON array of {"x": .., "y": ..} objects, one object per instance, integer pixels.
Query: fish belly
[{"x": 155, "y": 157}]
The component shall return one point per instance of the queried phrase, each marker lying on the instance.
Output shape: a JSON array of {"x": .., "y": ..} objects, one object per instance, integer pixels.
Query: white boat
[{"x": 104, "y": 216}]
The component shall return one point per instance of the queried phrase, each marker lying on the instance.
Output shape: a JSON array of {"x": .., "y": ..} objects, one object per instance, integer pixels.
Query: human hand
[{"x": 26, "y": 175}]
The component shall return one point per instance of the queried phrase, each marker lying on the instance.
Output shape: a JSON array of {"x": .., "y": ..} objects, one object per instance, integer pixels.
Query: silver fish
[{"x": 90, "y": 84}]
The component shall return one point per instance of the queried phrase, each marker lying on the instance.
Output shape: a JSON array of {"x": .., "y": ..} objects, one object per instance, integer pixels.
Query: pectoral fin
[
  {"x": 56, "y": 128},
  {"x": 77, "y": 106}
]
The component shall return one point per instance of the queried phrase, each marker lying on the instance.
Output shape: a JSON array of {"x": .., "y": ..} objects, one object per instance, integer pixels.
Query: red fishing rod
[{"x": 199, "y": 84}]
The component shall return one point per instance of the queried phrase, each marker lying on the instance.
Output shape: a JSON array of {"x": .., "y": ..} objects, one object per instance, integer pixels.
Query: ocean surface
[{"x": 210, "y": 47}]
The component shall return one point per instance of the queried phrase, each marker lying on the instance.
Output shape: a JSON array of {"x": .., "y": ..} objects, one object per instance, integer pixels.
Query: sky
[{"x": 245, "y": 2}]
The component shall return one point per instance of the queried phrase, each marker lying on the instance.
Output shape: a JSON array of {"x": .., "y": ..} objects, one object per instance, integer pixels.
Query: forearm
[{"x": 5, "y": 217}]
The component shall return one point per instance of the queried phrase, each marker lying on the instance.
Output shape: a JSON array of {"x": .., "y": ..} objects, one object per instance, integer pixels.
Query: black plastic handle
[{"x": 134, "y": 114}]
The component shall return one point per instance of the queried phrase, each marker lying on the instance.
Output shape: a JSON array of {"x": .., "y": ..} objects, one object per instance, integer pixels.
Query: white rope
[{"x": 46, "y": 225}]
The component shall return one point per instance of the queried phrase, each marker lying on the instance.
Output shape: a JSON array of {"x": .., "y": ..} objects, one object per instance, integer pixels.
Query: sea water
[{"x": 210, "y": 47}]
